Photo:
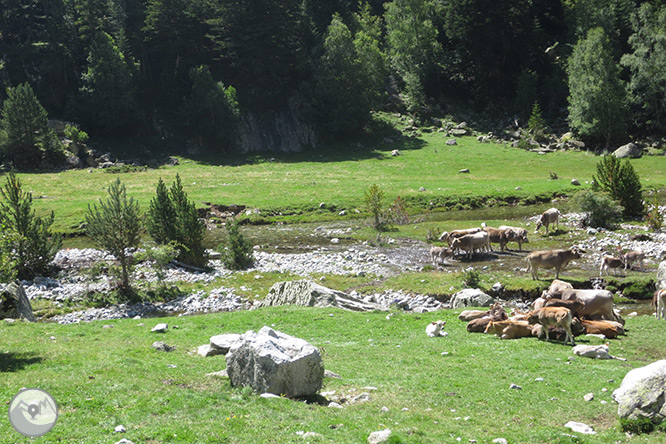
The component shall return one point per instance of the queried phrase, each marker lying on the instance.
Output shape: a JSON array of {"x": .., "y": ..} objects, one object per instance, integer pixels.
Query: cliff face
[{"x": 276, "y": 131}]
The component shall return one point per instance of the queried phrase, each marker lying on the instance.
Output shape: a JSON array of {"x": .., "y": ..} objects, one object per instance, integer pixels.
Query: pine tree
[
  {"x": 620, "y": 180},
  {"x": 597, "y": 97},
  {"x": 24, "y": 124},
  {"x": 160, "y": 213},
  {"x": 236, "y": 251},
  {"x": 33, "y": 245},
  {"x": 116, "y": 226}
]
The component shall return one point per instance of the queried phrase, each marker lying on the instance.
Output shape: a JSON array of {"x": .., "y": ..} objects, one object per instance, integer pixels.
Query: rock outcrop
[
  {"x": 14, "y": 303},
  {"x": 628, "y": 150},
  {"x": 269, "y": 361},
  {"x": 642, "y": 393},
  {"x": 310, "y": 294},
  {"x": 471, "y": 297}
]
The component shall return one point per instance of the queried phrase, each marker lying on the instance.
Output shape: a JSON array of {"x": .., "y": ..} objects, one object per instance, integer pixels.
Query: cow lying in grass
[
  {"x": 608, "y": 329},
  {"x": 509, "y": 329},
  {"x": 436, "y": 329},
  {"x": 595, "y": 352}
]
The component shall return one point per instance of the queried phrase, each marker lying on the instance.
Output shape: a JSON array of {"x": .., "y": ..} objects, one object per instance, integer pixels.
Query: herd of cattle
[
  {"x": 561, "y": 312},
  {"x": 473, "y": 240}
]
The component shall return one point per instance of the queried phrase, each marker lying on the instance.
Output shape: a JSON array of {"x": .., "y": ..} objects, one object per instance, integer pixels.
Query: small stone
[
  {"x": 589, "y": 397},
  {"x": 500, "y": 441},
  {"x": 334, "y": 405},
  {"x": 422, "y": 189},
  {"x": 452, "y": 142},
  {"x": 172, "y": 366},
  {"x": 363, "y": 397},
  {"x": 518, "y": 188},
  {"x": 575, "y": 182},
  {"x": 464, "y": 170},
  {"x": 220, "y": 374},
  {"x": 539, "y": 379},
  {"x": 160, "y": 328},
  {"x": 10, "y": 321},
  {"x": 335, "y": 240},
  {"x": 124, "y": 441},
  {"x": 311, "y": 435},
  {"x": 579, "y": 427},
  {"x": 384, "y": 409},
  {"x": 268, "y": 395},
  {"x": 379, "y": 437},
  {"x": 107, "y": 326},
  {"x": 119, "y": 429},
  {"x": 161, "y": 346},
  {"x": 514, "y": 386}
]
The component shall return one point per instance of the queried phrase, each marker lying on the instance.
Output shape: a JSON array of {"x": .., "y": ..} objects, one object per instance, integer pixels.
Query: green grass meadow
[
  {"x": 104, "y": 377},
  {"x": 295, "y": 184}
]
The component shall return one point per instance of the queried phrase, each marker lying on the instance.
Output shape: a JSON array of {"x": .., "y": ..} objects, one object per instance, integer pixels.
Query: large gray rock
[
  {"x": 471, "y": 297},
  {"x": 642, "y": 393},
  {"x": 14, "y": 303},
  {"x": 310, "y": 294},
  {"x": 628, "y": 150},
  {"x": 223, "y": 343},
  {"x": 273, "y": 362},
  {"x": 661, "y": 276}
]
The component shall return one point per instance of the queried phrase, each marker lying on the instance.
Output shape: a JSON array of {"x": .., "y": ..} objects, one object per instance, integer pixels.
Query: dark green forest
[{"x": 205, "y": 70}]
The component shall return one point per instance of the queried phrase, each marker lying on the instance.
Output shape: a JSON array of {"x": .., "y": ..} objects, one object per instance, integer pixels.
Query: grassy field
[
  {"x": 104, "y": 377},
  {"x": 294, "y": 185}
]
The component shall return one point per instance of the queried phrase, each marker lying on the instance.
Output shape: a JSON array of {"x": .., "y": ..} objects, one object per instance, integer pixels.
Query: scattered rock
[
  {"x": 464, "y": 170},
  {"x": 515, "y": 386},
  {"x": 119, "y": 429},
  {"x": 330, "y": 374},
  {"x": 273, "y": 362},
  {"x": 628, "y": 150},
  {"x": 422, "y": 189},
  {"x": 269, "y": 395},
  {"x": 452, "y": 142},
  {"x": 334, "y": 405},
  {"x": 160, "y": 328},
  {"x": 471, "y": 297},
  {"x": 579, "y": 427},
  {"x": 124, "y": 441},
  {"x": 310, "y": 435},
  {"x": 500, "y": 441},
  {"x": 589, "y": 397},
  {"x": 642, "y": 393},
  {"x": 395, "y": 153},
  {"x": 207, "y": 350},
  {"x": 220, "y": 374},
  {"x": 575, "y": 182},
  {"x": 222, "y": 343},
  {"x": 363, "y": 397},
  {"x": 380, "y": 436},
  {"x": 161, "y": 346}
]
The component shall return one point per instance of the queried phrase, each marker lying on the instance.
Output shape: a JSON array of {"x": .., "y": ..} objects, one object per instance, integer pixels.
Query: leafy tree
[
  {"x": 414, "y": 48},
  {"x": 24, "y": 124},
  {"x": 106, "y": 100},
  {"x": 647, "y": 63},
  {"x": 236, "y": 251},
  {"x": 619, "y": 179},
  {"x": 374, "y": 197},
  {"x": 116, "y": 226},
  {"x": 597, "y": 97},
  {"x": 173, "y": 218},
  {"x": 211, "y": 110},
  {"x": 33, "y": 245},
  {"x": 613, "y": 16},
  {"x": 372, "y": 59}
]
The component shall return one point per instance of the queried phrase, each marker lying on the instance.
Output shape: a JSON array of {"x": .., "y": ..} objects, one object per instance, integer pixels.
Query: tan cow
[
  {"x": 516, "y": 234},
  {"x": 449, "y": 236},
  {"x": 659, "y": 302},
  {"x": 610, "y": 262},
  {"x": 547, "y": 218},
  {"x": 575, "y": 305},
  {"x": 553, "y": 316},
  {"x": 598, "y": 303},
  {"x": 439, "y": 252},
  {"x": 557, "y": 259},
  {"x": 558, "y": 285},
  {"x": 469, "y": 315},
  {"x": 470, "y": 243},
  {"x": 509, "y": 329},
  {"x": 633, "y": 256},
  {"x": 499, "y": 236},
  {"x": 609, "y": 329}
]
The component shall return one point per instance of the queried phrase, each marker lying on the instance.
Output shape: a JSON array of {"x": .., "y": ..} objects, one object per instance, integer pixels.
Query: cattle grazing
[
  {"x": 610, "y": 262},
  {"x": 436, "y": 329},
  {"x": 449, "y": 236},
  {"x": 553, "y": 316},
  {"x": 609, "y": 329},
  {"x": 516, "y": 234},
  {"x": 598, "y": 303},
  {"x": 659, "y": 302},
  {"x": 509, "y": 329},
  {"x": 557, "y": 259},
  {"x": 439, "y": 252},
  {"x": 595, "y": 352},
  {"x": 633, "y": 256},
  {"x": 470, "y": 243},
  {"x": 548, "y": 217}
]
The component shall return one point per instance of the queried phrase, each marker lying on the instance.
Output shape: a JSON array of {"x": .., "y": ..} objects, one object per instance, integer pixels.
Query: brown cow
[
  {"x": 553, "y": 316},
  {"x": 610, "y": 330},
  {"x": 516, "y": 234},
  {"x": 557, "y": 259},
  {"x": 509, "y": 329},
  {"x": 610, "y": 262},
  {"x": 496, "y": 313},
  {"x": 575, "y": 305},
  {"x": 497, "y": 236},
  {"x": 439, "y": 252},
  {"x": 469, "y": 315},
  {"x": 598, "y": 303},
  {"x": 471, "y": 243},
  {"x": 633, "y": 256},
  {"x": 448, "y": 236},
  {"x": 548, "y": 217}
]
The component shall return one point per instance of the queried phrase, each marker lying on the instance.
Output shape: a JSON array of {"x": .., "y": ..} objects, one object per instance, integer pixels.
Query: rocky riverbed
[{"x": 76, "y": 280}]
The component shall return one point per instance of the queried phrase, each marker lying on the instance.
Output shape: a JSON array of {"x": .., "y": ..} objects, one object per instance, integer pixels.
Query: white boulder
[{"x": 642, "y": 393}]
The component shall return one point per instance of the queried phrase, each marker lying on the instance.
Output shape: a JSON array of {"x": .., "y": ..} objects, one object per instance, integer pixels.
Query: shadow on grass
[{"x": 11, "y": 362}]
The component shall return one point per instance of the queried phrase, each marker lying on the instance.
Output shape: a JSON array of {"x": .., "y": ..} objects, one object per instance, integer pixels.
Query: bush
[
  {"x": 397, "y": 213},
  {"x": 116, "y": 227},
  {"x": 653, "y": 217},
  {"x": 236, "y": 251},
  {"x": 600, "y": 210},
  {"x": 620, "y": 180},
  {"x": 173, "y": 218},
  {"x": 471, "y": 278},
  {"x": 32, "y": 245},
  {"x": 373, "y": 202}
]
